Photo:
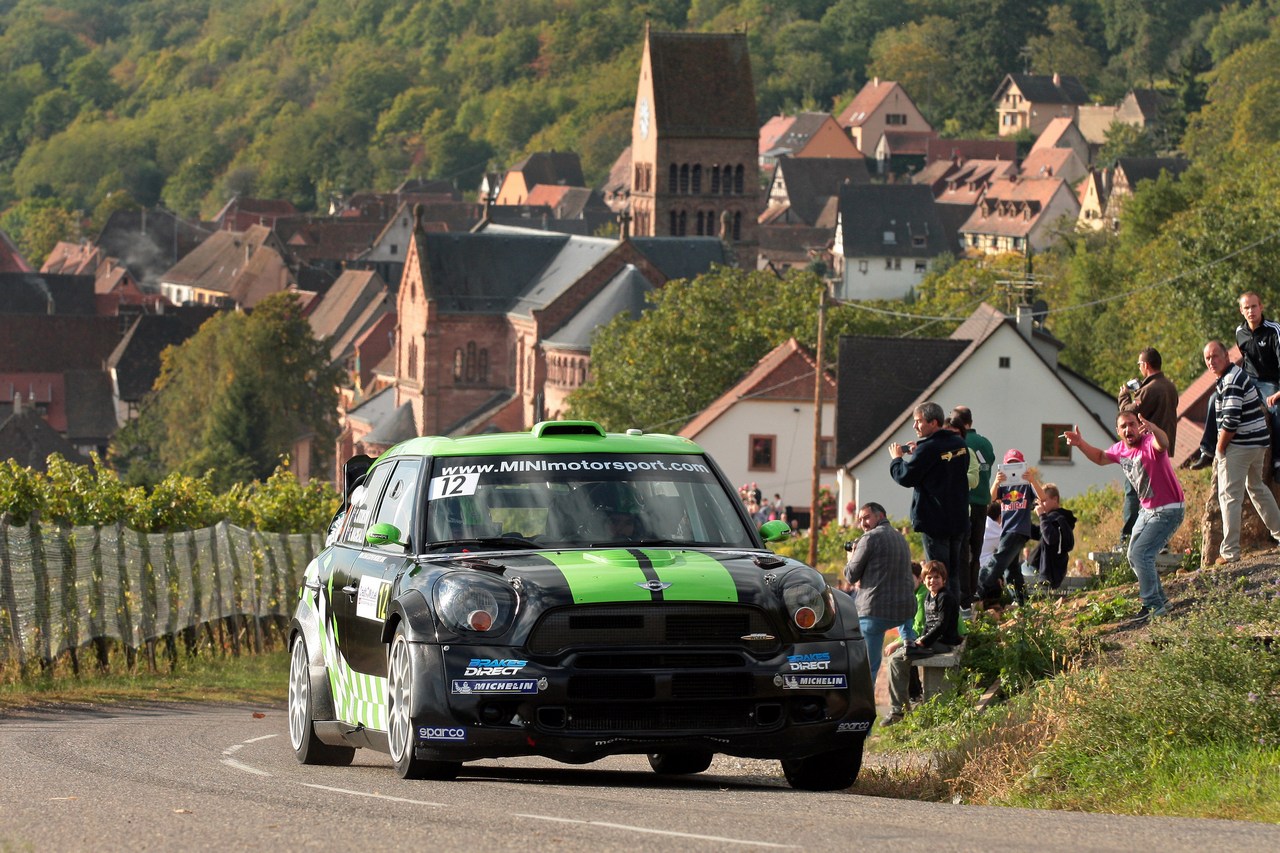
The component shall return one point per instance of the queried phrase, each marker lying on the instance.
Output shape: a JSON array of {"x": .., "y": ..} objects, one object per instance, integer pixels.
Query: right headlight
[
  {"x": 808, "y": 601},
  {"x": 474, "y": 604}
]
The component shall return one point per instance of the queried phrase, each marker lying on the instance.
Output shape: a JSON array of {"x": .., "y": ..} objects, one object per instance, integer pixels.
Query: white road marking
[
  {"x": 231, "y": 762},
  {"x": 256, "y": 739},
  {"x": 745, "y": 842},
  {"x": 374, "y": 796}
]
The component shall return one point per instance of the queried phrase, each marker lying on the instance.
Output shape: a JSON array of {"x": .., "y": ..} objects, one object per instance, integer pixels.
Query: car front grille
[
  {"x": 655, "y": 625},
  {"x": 720, "y": 716}
]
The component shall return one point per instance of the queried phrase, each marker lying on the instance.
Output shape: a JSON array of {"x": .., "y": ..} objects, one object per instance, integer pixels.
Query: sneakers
[
  {"x": 1143, "y": 617},
  {"x": 1200, "y": 460},
  {"x": 894, "y": 717}
]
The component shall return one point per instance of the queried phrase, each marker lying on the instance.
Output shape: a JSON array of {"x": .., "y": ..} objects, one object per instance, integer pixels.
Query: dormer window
[
  {"x": 918, "y": 240},
  {"x": 890, "y": 239}
]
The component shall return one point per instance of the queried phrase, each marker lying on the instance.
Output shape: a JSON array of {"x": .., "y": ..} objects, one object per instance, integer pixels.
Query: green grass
[{"x": 260, "y": 679}]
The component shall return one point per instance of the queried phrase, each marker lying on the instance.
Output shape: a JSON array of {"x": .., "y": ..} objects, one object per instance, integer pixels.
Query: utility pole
[{"x": 815, "y": 515}]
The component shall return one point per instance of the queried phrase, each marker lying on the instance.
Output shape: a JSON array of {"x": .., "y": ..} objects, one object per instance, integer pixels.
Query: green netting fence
[{"x": 67, "y": 590}]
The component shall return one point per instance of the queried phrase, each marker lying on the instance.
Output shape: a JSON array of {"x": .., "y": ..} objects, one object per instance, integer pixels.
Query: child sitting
[{"x": 941, "y": 635}]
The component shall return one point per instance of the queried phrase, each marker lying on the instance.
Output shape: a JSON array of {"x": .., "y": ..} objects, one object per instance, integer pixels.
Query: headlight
[
  {"x": 807, "y": 599},
  {"x": 474, "y": 604}
]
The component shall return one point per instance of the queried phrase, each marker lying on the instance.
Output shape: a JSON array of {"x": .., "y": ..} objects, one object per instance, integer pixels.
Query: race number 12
[{"x": 453, "y": 485}]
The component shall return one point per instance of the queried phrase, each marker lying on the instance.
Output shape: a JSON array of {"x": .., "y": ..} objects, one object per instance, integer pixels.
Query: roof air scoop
[{"x": 546, "y": 428}]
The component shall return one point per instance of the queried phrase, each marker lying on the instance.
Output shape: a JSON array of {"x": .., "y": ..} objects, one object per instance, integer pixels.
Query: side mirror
[
  {"x": 384, "y": 534},
  {"x": 775, "y": 531}
]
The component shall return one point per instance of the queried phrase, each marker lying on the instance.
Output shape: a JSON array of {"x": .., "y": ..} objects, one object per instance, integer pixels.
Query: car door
[{"x": 362, "y": 589}]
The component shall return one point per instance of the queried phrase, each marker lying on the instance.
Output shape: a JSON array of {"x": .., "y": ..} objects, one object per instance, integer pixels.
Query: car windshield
[{"x": 580, "y": 500}]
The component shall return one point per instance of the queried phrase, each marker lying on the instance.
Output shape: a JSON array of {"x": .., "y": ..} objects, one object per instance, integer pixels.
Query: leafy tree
[
  {"x": 1064, "y": 48},
  {"x": 920, "y": 56},
  {"x": 37, "y": 224},
  {"x": 234, "y": 398},
  {"x": 1124, "y": 140}
]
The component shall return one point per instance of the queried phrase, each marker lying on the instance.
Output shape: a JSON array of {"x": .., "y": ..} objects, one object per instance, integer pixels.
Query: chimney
[
  {"x": 17, "y": 401},
  {"x": 875, "y": 81},
  {"x": 1025, "y": 318},
  {"x": 1057, "y": 79}
]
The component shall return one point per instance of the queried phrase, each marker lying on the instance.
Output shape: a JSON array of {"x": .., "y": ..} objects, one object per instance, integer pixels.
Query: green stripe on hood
[
  {"x": 693, "y": 576},
  {"x": 596, "y": 577}
]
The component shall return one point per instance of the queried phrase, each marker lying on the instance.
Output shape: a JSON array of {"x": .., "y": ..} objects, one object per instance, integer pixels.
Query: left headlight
[
  {"x": 808, "y": 601},
  {"x": 471, "y": 604}
]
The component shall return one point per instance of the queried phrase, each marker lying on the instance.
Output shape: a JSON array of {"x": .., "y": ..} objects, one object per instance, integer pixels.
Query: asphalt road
[{"x": 217, "y": 778}]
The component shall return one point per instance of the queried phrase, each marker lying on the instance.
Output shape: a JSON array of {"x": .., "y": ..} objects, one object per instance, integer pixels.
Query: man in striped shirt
[{"x": 1243, "y": 439}]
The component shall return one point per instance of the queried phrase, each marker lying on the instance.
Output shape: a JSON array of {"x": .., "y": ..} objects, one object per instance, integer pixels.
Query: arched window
[
  {"x": 715, "y": 179},
  {"x": 471, "y": 361},
  {"x": 737, "y": 225},
  {"x": 675, "y": 223},
  {"x": 684, "y": 178},
  {"x": 697, "y": 179},
  {"x": 459, "y": 362},
  {"x": 482, "y": 366},
  {"x": 737, "y": 179},
  {"x": 684, "y": 223},
  {"x": 413, "y": 359},
  {"x": 672, "y": 175}
]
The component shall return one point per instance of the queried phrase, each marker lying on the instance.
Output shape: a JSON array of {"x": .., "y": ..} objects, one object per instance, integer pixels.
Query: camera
[
  {"x": 1133, "y": 385},
  {"x": 848, "y": 546}
]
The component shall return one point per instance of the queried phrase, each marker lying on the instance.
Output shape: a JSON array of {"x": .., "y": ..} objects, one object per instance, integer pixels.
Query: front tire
[
  {"x": 828, "y": 771},
  {"x": 679, "y": 763},
  {"x": 308, "y": 748},
  {"x": 400, "y": 739}
]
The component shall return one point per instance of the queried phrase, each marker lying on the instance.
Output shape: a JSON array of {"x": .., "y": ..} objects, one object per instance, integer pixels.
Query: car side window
[
  {"x": 398, "y": 500},
  {"x": 360, "y": 510}
]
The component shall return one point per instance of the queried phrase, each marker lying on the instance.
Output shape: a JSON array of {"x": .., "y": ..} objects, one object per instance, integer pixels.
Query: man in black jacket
[{"x": 937, "y": 467}]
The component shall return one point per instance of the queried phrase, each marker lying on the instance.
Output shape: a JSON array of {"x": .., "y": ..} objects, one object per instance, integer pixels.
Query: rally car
[{"x": 571, "y": 594}]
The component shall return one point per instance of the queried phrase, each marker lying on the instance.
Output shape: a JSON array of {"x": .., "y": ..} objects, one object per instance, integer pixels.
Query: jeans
[
  {"x": 1239, "y": 470},
  {"x": 1129, "y": 510},
  {"x": 1152, "y": 531},
  {"x": 946, "y": 549},
  {"x": 873, "y": 631},
  {"x": 1007, "y": 560},
  {"x": 971, "y": 553}
]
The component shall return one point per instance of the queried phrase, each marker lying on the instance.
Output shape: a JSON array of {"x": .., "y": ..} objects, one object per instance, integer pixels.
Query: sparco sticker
[
  {"x": 457, "y": 735},
  {"x": 849, "y": 727}
]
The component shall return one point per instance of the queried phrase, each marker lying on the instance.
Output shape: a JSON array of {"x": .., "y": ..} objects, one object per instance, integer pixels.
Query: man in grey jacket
[{"x": 878, "y": 574}]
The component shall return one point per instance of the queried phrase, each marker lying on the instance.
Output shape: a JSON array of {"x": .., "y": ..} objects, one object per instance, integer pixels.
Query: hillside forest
[{"x": 184, "y": 103}]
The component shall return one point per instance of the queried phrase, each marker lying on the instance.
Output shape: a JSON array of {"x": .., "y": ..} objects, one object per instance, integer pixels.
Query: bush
[
  {"x": 92, "y": 495},
  {"x": 1028, "y": 646}
]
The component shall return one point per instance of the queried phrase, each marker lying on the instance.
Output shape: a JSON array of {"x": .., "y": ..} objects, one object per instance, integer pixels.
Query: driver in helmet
[{"x": 620, "y": 506}]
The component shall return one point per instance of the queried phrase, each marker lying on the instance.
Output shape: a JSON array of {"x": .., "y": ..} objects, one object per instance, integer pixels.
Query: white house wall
[
  {"x": 1009, "y": 405},
  {"x": 878, "y": 282},
  {"x": 727, "y": 439}
]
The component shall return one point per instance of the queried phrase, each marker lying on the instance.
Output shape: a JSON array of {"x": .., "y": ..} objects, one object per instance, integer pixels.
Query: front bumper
[{"x": 486, "y": 702}]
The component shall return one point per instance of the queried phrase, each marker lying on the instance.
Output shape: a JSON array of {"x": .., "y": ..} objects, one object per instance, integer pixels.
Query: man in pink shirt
[{"x": 1143, "y": 454}]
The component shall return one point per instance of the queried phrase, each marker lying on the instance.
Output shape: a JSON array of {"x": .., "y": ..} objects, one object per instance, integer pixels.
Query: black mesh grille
[
  {"x": 657, "y": 624},
  {"x": 606, "y": 688},
  {"x": 718, "y": 716},
  {"x": 703, "y": 685},
  {"x": 658, "y": 660}
]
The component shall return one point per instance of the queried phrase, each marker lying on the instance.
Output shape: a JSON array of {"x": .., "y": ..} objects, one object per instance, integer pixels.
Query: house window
[
  {"x": 862, "y": 266},
  {"x": 918, "y": 240},
  {"x": 892, "y": 119},
  {"x": 715, "y": 180},
  {"x": 922, "y": 266},
  {"x": 726, "y": 182},
  {"x": 1053, "y": 447},
  {"x": 684, "y": 178},
  {"x": 697, "y": 178},
  {"x": 761, "y": 458},
  {"x": 1004, "y": 361},
  {"x": 394, "y": 248},
  {"x": 459, "y": 364},
  {"x": 737, "y": 225},
  {"x": 827, "y": 453},
  {"x": 738, "y": 174}
]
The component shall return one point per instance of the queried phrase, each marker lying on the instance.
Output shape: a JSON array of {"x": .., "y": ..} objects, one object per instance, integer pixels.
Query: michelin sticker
[
  {"x": 373, "y": 598},
  {"x": 469, "y": 687},
  {"x": 814, "y": 682}
]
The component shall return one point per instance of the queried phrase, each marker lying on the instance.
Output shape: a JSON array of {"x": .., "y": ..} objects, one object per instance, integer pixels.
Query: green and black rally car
[{"x": 571, "y": 594}]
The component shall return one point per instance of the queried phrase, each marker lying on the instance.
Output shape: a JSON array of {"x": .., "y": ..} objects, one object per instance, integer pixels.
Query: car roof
[{"x": 546, "y": 437}]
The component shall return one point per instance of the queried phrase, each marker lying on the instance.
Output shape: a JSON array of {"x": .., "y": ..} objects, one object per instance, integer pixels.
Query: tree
[
  {"x": 234, "y": 398},
  {"x": 1064, "y": 49},
  {"x": 920, "y": 56},
  {"x": 1124, "y": 140},
  {"x": 36, "y": 225}
]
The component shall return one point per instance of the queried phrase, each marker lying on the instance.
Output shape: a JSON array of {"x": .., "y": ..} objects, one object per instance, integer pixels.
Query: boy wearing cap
[{"x": 1016, "y": 504}]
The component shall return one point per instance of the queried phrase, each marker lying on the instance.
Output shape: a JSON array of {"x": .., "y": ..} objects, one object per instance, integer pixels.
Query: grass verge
[{"x": 210, "y": 678}]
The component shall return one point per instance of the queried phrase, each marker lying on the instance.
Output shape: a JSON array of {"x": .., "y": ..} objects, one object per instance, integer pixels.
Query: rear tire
[
  {"x": 308, "y": 748},
  {"x": 400, "y": 738},
  {"x": 828, "y": 771},
  {"x": 679, "y": 763}
]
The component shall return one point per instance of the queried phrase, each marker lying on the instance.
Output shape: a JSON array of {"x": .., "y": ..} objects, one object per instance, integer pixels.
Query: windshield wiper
[
  {"x": 647, "y": 543},
  {"x": 495, "y": 542}
]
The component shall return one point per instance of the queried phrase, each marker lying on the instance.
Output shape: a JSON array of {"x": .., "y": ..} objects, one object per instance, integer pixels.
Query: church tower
[{"x": 694, "y": 141}]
